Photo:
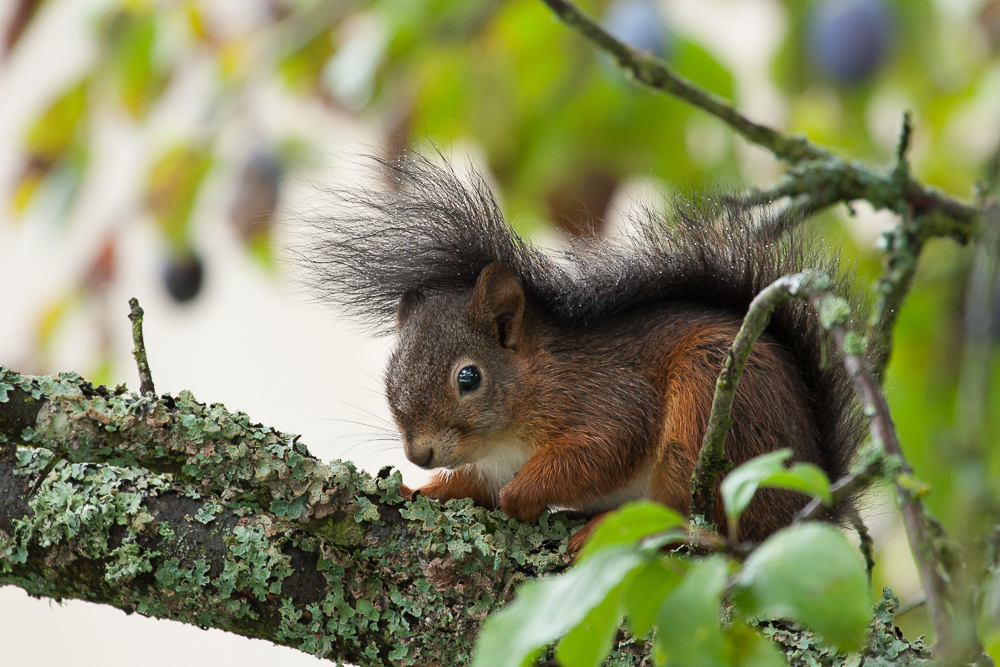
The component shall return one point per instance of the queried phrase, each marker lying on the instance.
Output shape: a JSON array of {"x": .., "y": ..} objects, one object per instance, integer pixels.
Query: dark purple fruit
[
  {"x": 638, "y": 23},
  {"x": 183, "y": 276},
  {"x": 848, "y": 40}
]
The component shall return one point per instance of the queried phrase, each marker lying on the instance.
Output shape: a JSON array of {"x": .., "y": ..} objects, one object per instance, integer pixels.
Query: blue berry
[
  {"x": 848, "y": 40},
  {"x": 638, "y": 23}
]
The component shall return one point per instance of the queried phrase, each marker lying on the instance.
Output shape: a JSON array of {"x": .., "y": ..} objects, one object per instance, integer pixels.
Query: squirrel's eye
[{"x": 469, "y": 378}]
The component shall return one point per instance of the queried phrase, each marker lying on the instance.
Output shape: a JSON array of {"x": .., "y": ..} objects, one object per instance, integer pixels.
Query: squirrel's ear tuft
[
  {"x": 407, "y": 304},
  {"x": 497, "y": 304}
]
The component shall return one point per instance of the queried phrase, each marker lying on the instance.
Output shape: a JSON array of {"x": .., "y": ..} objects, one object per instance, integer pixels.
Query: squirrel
[{"x": 582, "y": 379}]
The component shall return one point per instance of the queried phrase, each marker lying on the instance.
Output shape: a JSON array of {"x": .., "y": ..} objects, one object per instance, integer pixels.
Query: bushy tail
[
  {"x": 434, "y": 233},
  {"x": 427, "y": 231}
]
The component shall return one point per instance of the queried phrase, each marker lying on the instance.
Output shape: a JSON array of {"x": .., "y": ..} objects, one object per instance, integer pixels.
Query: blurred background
[{"x": 171, "y": 150}]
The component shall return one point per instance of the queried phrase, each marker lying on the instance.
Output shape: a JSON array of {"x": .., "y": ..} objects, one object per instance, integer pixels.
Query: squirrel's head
[{"x": 458, "y": 370}]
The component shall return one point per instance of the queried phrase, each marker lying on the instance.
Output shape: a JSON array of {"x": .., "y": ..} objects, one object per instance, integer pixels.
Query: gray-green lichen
[
  {"x": 855, "y": 344},
  {"x": 886, "y": 645},
  {"x": 833, "y": 310}
]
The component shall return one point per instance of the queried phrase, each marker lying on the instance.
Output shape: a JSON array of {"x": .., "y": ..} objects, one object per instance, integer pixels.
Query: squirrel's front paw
[
  {"x": 580, "y": 537},
  {"x": 518, "y": 506},
  {"x": 434, "y": 492}
]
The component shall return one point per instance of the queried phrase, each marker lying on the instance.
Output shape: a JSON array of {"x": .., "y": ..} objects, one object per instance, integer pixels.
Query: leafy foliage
[
  {"x": 768, "y": 470},
  {"x": 808, "y": 573},
  {"x": 699, "y": 610}
]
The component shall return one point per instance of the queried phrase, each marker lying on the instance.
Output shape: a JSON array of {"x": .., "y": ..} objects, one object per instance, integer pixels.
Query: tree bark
[{"x": 174, "y": 509}]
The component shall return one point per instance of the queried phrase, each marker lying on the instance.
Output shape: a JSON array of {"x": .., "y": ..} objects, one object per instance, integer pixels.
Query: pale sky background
[{"x": 252, "y": 341}]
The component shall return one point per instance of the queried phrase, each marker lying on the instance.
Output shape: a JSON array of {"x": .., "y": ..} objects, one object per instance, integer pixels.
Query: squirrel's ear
[
  {"x": 497, "y": 304},
  {"x": 407, "y": 304}
]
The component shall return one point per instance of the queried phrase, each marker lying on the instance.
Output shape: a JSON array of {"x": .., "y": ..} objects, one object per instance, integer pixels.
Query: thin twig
[
  {"x": 139, "y": 351},
  {"x": 650, "y": 71},
  {"x": 883, "y": 430},
  {"x": 834, "y": 313},
  {"x": 711, "y": 459},
  {"x": 845, "y": 487},
  {"x": 866, "y": 545},
  {"x": 902, "y": 246},
  {"x": 901, "y": 170}
]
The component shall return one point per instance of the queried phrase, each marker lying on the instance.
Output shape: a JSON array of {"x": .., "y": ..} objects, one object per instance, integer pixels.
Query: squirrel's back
[{"x": 432, "y": 234}]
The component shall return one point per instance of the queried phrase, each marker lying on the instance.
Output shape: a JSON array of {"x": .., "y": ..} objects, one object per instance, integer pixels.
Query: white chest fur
[
  {"x": 504, "y": 460},
  {"x": 500, "y": 465}
]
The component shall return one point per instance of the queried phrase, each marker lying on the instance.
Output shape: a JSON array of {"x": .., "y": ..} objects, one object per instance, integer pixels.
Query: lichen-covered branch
[
  {"x": 922, "y": 544},
  {"x": 321, "y": 558},
  {"x": 139, "y": 351},
  {"x": 902, "y": 249},
  {"x": 175, "y": 509}
]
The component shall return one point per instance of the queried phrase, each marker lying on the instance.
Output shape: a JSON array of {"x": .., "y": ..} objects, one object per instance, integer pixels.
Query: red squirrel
[{"x": 584, "y": 379}]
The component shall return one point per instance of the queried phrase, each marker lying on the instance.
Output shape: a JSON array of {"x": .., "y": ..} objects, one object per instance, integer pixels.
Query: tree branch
[
  {"x": 139, "y": 351},
  {"x": 711, "y": 459},
  {"x": 175, "y": 509},
  {"x": 649, "y": 71},
  {"x": 816, "y": 173},
  {"x": 884, "y": 431}
]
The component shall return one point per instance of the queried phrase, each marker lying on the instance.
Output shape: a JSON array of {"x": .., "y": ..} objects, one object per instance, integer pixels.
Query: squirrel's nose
[
  {"x": 418, "y": 451},
  {"x": 424, "y": 458}
]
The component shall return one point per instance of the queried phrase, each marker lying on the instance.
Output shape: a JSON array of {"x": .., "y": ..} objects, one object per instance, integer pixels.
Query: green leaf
[
  {"x": 804, "y": 477},
  {"x": 689, "y": 630},
  {"x": 630, "y": 524},
  {"x": 131, "y": 35},
  {"x": 808, "y": 573},
  {"x": 745, "y": 646},
  {"x": 546, "y": 609},
  {"x": 644, "y": 593},
  {"x": 740, "y": 485},
  {"x": 56, "y": 149},
  {"x": 52, "y": 135},
  {"x": 173, "y": 186},
  {"x": 588, "y": 644},
  {"x": 768, "y": 470}
]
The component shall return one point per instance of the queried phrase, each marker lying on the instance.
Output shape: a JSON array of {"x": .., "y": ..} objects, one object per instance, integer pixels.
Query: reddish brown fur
[
  {"x": 455, "y": 484},
  {"x": 598, "y": 362},
  {"x": 595, "y": 406}
]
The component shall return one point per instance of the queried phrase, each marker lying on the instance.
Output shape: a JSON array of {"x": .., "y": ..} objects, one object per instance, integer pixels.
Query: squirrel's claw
[{"x": 580, "y": 537}]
